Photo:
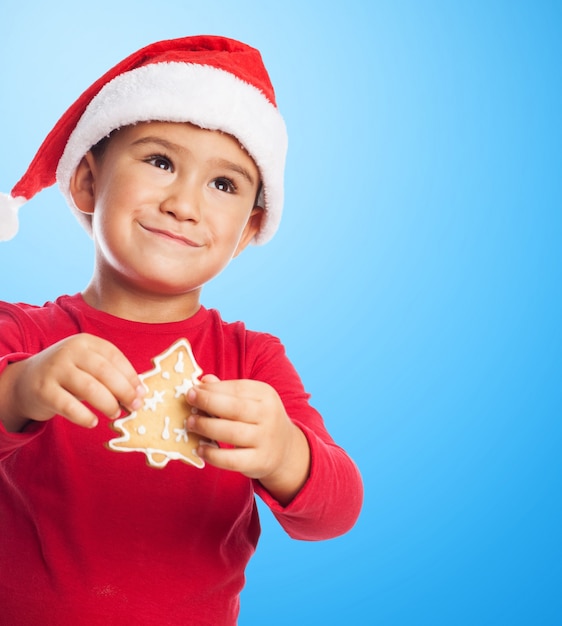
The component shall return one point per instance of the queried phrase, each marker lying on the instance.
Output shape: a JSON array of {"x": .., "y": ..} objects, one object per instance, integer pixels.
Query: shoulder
[
  {"x": 36, "y": 324},
  {"x": 17, "y": 313},
  {"x": 32, "y": 312},
  {"x": 238, "y": 332},
  {"x": 231, "y": 350}
]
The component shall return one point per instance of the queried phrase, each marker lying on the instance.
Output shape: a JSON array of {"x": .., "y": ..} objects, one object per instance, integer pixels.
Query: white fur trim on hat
[{"x": 200, "y": 94}]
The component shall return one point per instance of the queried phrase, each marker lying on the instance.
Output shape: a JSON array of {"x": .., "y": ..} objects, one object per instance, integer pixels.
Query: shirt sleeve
[
  {"x": 13, "y": 348},
  {"x": 329, "y": 503}
]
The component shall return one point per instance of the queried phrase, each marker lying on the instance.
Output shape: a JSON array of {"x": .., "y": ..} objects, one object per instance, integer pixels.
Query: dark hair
[{"x": 99, "y": 148}]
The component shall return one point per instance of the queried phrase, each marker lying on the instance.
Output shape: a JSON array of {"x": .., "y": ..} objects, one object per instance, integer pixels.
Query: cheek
[
  {"x": 117, "y": 188},
  {"x": 231, "y": 223},
  {"x": 232, "y": 238},
  {"x": 115, "y": 206},
  {"x": 109, "y": 228}
]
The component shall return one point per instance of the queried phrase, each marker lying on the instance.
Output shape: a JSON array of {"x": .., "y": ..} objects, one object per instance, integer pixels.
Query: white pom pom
[{"x": 9, "y": 215}]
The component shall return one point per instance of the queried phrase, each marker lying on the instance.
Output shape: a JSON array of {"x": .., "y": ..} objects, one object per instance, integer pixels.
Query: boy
[{"x": 173, "y": 161}]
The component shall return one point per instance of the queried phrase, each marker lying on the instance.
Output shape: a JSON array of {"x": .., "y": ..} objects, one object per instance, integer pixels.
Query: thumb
[{"x": 210, "y": 378}]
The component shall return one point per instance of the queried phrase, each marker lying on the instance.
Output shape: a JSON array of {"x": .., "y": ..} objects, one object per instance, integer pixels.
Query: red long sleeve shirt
[{"x": 90, "y": 536}]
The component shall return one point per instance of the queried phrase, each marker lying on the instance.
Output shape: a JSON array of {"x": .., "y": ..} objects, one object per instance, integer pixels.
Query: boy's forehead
[
  {"x": 179, "y": 130},
  {"x": 181, "y": 136}
]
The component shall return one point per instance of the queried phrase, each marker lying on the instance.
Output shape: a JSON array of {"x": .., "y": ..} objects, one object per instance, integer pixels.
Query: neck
[{"x": 138, "y": 306}]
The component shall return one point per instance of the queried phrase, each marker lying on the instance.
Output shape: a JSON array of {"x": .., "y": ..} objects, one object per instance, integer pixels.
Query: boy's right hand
[{"x": 80, "y": 369}]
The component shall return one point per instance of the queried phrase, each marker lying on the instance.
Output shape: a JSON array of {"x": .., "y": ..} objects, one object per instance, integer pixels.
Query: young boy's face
[{"x": 171, "y": 205}]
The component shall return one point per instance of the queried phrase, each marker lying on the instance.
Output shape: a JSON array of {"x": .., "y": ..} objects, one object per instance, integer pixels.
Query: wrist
[
  {"x": 10, "y": 416},
  {"x": 285, "y": 482}
]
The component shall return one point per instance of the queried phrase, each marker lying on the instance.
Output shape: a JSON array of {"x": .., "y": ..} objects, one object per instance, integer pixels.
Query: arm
[
  {"x": 329, "y": 503},
  {"x": 61, "y": 379},
  {"x": 280, "y": 441}
]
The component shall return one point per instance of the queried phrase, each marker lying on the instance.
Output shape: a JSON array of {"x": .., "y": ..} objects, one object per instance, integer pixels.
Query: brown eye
[
  {"x": 224, "y": 184},
  {"x": 161, "y": 162}
]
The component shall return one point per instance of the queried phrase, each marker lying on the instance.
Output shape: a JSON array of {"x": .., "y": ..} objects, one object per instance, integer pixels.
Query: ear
[
  {"x": 82, "y": 184},
  {"x": 251, "y": 229}
]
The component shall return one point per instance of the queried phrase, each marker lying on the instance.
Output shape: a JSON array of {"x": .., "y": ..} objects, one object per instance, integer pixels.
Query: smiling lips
[{"x": 173, "y": 236}]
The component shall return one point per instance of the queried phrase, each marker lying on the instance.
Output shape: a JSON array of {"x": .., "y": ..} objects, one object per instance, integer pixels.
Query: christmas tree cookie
[{"x": 159, "y": 428}]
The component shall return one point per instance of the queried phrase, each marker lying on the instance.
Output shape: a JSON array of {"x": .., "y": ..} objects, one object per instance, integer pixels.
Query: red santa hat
[{"x": 212, "y": 82}]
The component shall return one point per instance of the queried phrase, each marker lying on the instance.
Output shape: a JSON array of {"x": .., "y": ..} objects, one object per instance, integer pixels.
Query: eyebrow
[
  {"x": 218, "y": 162},
  {"x": 235, "y": 167}
]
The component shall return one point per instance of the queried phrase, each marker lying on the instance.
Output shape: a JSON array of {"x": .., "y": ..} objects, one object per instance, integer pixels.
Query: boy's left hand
[{"x": 268, "y": 446}]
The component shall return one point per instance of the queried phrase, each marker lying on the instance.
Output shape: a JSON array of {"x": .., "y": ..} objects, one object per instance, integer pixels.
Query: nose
[{"x": 182, "y": 202}]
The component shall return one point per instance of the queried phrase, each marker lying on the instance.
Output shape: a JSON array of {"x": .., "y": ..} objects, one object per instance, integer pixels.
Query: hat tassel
[{"x": 9, "y": 215}]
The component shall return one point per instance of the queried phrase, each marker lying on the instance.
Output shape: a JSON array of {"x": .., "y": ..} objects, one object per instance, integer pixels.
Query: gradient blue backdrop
[{"x": 415, "y": 280}]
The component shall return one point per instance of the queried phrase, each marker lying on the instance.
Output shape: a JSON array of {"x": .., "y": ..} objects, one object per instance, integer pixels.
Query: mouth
[{"x": 171, "y": 236}]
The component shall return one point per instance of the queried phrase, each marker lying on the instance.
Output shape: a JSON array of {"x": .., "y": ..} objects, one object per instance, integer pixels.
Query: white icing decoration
[
  {"x": 141, "y": 430},
  {"x": 181, "y": 433},
  {"x": 157, "y": 398},
  {"x": 179, "y": 366},
  {"x": 166, "y": 431},
  {"x": 166, "y": 375},
  {"x": 182, "y": 389}
]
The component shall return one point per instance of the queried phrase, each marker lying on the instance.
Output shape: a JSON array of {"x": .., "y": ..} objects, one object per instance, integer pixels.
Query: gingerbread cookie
[{"x": 159, "y": 429}]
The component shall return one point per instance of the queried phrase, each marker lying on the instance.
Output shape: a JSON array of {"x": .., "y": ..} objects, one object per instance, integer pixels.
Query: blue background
[{"x": 415, "y": 280}]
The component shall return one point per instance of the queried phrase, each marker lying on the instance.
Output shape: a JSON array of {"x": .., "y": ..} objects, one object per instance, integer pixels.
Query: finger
[
  {"x": 236, "y": 387},
  {"x": 210, "y": 378},
  {"x": 117, "y": 386},
  {"x": 236, "y": 433},
  {"x": 232, "y": 459},
  {"x": 92, "y": 346},
  {"x": 72, "y": 409},
  {"x": 120, "y": 362},
  {"x": 218, "y": 399},
  {"x": 87, "y": 388}
]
